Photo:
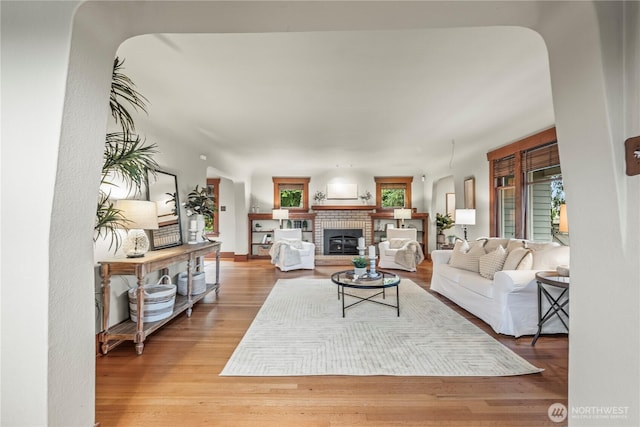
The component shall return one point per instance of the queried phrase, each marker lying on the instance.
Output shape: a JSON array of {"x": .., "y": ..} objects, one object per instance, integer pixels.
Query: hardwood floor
[{"x": 175, "y": 382}]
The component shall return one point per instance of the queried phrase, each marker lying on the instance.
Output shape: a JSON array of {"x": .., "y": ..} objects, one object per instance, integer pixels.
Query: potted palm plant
[{"x": 127, "y": 157}]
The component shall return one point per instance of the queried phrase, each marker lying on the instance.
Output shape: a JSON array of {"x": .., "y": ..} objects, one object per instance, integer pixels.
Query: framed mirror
[{"x": 162, "y": 188}]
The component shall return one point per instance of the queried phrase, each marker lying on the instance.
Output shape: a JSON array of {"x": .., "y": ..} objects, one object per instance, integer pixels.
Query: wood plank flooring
[{"x": 175, "y": 382}]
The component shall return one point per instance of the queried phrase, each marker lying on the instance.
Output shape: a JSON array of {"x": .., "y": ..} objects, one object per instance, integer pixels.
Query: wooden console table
[{"x": 140, "y": 267}]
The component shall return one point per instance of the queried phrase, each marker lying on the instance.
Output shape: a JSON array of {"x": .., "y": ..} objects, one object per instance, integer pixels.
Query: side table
[{"x": 557, "y": 304}]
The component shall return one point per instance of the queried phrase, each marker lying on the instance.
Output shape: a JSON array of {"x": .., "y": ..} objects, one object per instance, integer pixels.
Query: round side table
[{"x": 557, "y": 304}]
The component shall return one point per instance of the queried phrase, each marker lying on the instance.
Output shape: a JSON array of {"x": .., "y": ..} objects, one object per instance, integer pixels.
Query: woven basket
[
  {"x": 198, "y": 286},
  {"x": 159, "y": 300}
]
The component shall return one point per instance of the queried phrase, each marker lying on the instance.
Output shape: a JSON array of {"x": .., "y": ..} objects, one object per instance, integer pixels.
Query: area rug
[{"x": 300, "y": 331}]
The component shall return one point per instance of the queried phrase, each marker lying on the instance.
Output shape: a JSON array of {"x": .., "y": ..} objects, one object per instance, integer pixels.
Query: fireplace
[{"x": 342, "y": 241}]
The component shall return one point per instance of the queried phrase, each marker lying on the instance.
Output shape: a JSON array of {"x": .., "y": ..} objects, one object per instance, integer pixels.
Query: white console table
[{"x": 140, "y": 267}]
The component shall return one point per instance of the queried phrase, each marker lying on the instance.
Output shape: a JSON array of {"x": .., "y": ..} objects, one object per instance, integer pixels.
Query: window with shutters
[
  {"x": 291, "y": 193},
  {"x": 527, "y": 190}
]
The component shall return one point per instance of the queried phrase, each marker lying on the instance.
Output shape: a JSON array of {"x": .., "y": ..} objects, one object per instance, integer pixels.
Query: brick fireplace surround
[{"x": 342, "y": 217}]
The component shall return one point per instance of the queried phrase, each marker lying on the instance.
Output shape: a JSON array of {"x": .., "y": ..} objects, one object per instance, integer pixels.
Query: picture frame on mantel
[
  {"x": 470, "y": 193},
  {"x": 342, "y": 191}
]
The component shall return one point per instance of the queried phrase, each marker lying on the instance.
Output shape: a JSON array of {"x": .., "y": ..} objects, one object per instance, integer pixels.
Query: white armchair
[
  {"x": 401, "y": 250},
  {"x": 289, "y": 252}
]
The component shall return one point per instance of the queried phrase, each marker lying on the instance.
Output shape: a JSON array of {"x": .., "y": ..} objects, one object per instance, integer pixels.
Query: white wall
[{"x": 47, "y": 351}]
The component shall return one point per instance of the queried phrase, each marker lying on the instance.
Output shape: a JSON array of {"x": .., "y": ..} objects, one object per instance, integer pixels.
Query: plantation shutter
[
  {"x": 282, "y": 187},
  {"x": 504, "y": 167},
  {"x": 541, "y": 158}
]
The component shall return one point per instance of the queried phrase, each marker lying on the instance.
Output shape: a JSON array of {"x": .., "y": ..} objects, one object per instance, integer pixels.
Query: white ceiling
[{"x": 305, "y": 102}]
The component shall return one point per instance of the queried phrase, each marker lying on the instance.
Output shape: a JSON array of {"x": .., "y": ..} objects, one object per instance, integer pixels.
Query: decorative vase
[{"x": 200, "y": 224}]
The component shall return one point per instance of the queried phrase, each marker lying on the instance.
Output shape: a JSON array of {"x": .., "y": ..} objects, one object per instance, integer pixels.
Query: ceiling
[{"x": 306, "y": 102}]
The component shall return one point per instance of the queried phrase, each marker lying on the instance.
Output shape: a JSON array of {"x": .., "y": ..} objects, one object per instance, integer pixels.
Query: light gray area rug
[{"x": 300, "y": 331}]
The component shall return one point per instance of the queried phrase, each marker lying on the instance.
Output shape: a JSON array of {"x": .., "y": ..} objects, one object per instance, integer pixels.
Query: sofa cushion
[
  {"x": 514, "y": 257},
  {"x": 467, "y": 279},
  {"x": 550, "y": 259},
  {"x": 468, "y": 260},
  {"x": 476, "y": 283},
  {"x": 492, "y": 262}
]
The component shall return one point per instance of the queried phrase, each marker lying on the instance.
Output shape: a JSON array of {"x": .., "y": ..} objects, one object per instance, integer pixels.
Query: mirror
[{"x": 162, "y": 188}]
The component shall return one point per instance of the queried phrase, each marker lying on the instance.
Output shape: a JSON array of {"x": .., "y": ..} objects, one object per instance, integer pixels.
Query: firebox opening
[{"x": 341, "y": 241}]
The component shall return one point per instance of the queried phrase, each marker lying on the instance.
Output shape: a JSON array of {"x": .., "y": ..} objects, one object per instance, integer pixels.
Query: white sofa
[
  {"x": 401, "y": 250},
  {"x": 289, "y": 252},
  {"x": 509, "y": 301}
]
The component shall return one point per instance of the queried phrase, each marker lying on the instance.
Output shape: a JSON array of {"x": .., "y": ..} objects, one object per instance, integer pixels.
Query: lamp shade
[
  {"x": 563, "y": 227},
  {"x": 140, "y": 214},
  {"x": 465, "y": 216},
  {"x": 280, "y": 214},
  {"x": 402, "y": 213}
]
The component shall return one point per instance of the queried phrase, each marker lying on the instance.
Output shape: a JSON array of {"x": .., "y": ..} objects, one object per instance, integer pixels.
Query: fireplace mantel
[{"x": 343, "y": 207}]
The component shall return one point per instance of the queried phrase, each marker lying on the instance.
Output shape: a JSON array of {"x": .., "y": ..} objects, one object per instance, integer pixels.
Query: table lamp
[
  {"x": 280, "y": 214},
  {"x": 402, "y": 214},
  {"x": 140, "y": 215},
  {"x": 465, "y": 217}
]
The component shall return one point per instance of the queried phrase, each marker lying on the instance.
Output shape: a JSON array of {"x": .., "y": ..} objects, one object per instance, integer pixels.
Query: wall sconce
[
  {"x": 280, "y": 214},
  {"x": 465, "y": 217},
  {"x": 402, "y": 214},
  {"x": 140, "y": 215}
]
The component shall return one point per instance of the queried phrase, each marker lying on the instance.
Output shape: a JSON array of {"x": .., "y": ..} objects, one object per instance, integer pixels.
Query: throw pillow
[
  {"x": 398, "y": 243},
  {"x": 469, "y": 260},
  {"x": 492, "y": 262},
  {"x": 514, "y": 257},
  {"x": 527, "y": 262},
  {"x": 550, "y": 259}
]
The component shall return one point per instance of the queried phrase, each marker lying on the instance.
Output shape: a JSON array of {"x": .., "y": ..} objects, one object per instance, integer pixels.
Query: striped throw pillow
[{"x": 492, "y": 262}]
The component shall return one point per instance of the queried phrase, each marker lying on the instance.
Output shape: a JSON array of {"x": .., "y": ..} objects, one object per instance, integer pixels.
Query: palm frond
[
  {"x": 109, "y": 220},
  {"x": 123, "y": 92},
  {"x": 127, "y": 157}
]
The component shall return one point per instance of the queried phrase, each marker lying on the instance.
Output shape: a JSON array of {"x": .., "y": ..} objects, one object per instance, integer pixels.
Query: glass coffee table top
[{"x": 379, "y": 281}]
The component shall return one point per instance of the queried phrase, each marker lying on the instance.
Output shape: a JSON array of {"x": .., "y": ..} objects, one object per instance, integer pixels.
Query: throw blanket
[
  {"x": 410, "y": 255},
  {"x": 288, "y": 250}
]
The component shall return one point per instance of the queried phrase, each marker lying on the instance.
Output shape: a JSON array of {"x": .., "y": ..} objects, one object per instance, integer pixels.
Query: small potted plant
[
  {"x": 365, "y": 197},
  {"x": 443, "y": 222},
  {"x": 360, "y": 265},
  {"x": 319, "y": 196}
]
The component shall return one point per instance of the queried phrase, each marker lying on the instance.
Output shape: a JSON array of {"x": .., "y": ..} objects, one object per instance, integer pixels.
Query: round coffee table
[{"x": 380, "y": 282}]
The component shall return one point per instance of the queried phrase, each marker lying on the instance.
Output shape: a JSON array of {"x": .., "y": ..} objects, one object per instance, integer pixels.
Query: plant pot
[
  {"x": 440, "y": 238},
  {"x": 360, "y": 271}
]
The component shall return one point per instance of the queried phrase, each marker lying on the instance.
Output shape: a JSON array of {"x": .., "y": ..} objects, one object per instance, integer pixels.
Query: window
[
  {"x": 393, "y": 192},
  {"x": 213, "y": 189},
  {"x": 291, "y": 193},
  {"x": 527, "y": 188}
]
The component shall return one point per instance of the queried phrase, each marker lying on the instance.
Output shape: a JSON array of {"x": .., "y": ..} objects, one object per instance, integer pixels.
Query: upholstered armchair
[
  {"x": 401, "y": 250},
  {"x": 289, "y": 252}
]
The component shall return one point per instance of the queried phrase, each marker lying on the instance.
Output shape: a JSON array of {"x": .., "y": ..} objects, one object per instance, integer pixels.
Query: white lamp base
[{"x": 136, "y": 244}]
